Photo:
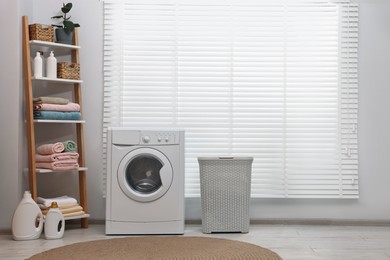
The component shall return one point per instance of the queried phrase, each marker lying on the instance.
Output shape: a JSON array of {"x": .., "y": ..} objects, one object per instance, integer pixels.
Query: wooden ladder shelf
[{"x": 73, "y": 51}]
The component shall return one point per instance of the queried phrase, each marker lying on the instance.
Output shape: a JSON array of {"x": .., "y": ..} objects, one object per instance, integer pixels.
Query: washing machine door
[{"x": 145, "y": 174}]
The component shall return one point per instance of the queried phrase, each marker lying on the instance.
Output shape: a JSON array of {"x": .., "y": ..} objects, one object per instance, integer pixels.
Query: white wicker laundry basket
[{"x": 225, "y": 184}]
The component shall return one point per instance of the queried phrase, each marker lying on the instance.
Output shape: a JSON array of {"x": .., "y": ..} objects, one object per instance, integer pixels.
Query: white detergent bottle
[
  {"x": 54, "y": 223},
  {"x": 27, "y": 221},
  {"x": 38, "y": 64},
  {"x": 51, "y": 66}
]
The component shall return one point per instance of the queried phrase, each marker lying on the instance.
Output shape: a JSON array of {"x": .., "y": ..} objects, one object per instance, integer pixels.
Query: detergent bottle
[
  {"x": 27, "y": 221},
  {"x": 54, "y": 223}
]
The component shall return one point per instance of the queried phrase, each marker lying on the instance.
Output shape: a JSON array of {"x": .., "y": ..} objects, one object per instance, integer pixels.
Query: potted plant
[{"x": 64, "y": 31}]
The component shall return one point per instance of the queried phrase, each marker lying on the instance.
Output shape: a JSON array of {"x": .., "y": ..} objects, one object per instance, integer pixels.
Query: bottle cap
[
  {"x": 51, "y": 53},
  {"x": 27, "y": 194},
  {"x": 54, "y": 205}
]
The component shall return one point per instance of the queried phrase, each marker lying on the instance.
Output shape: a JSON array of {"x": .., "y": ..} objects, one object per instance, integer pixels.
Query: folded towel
[
  {"x": 77, "y": 208},
  {"x": 56, "y": 115},
  {"x": 50, "y": 148},
  {"x": 51, "y": 100},
  {"x": 74, "y": 214},
  {"x": 62, "y": 206},
  {"x": 70, "y": 146},
  {"x": 60, "y": 200},
  {"x": 59, "y": 165},
  {"x": 56, "y": 157},
  {"x": 70, "y": 107}
]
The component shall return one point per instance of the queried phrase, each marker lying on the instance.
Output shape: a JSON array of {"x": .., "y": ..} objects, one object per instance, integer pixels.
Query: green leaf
[
  {"x": 56, "y": 17},
  {"x": 66, "y": 8},
  {"x": 69, "y": 5},
  {"x": 69, "y": 26},
  {"x": 76, "y": 25}
]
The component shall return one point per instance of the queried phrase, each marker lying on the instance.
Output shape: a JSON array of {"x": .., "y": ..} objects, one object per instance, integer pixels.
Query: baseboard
[
  {"x": 91, "y": 221},
  {"x": 5, "y": 232},
  {"x": 322, "y": 222},
  {"x": 335, "y": 222}
]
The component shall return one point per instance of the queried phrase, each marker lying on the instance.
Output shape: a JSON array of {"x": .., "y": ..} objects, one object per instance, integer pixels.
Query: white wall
[
  {"x": 9, "y": 87},
  {"x": 374, "y": 125},
  {"x": 11, "y": 112}
]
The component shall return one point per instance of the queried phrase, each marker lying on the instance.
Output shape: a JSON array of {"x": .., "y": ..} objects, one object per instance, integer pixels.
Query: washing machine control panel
[{"x": 159, "y": 138}]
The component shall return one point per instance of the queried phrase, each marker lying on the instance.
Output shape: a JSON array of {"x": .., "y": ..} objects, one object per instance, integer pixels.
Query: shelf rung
[
  {"x": 59, "y": 121},
  {"x": 40, "y": 170},
  {"x": 59, "y": 80},
  {"x": 53, "y": 44}
]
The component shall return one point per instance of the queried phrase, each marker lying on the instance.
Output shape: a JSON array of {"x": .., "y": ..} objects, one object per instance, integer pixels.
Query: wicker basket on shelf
[
  {"x": 41, "y": 32},
  {"x": 68, "y": 70}
]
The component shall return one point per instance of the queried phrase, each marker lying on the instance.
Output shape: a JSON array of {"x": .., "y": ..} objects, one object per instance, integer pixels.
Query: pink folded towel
[
  {"x": 50, "y": 148},
  {"x": 51, "y": 100},
  {"x": 70, "y": 107},
  {"x": 59, "y": 165},
  {"x": 56, "y": 157}
]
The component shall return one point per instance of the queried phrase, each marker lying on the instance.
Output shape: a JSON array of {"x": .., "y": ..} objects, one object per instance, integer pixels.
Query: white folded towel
[{"x": 60, "y": 200}]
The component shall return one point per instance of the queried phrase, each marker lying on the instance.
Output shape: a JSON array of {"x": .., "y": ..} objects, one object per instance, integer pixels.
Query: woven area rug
[{"x": 156, "y": 247}]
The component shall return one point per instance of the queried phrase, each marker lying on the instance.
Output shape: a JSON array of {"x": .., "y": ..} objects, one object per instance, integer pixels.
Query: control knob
[{"x": 146, "y": 139}]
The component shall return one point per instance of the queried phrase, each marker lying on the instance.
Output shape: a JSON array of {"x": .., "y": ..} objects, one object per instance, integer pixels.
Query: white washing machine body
[{"x": 145, "y": 181}]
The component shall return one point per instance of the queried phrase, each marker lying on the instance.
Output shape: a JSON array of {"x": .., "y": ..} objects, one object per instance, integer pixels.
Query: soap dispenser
[
  {"x": 54, "y": 223},
  {"x": 51, "y": 66},
  {"x": 27, "y": 221}
]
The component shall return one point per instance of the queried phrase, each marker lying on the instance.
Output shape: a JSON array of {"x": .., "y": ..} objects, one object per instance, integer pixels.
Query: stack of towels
[
  {"x": 60, "y": 156},
  {"x": 55, "y": 108},
  {"x": 67, "y": 205}
]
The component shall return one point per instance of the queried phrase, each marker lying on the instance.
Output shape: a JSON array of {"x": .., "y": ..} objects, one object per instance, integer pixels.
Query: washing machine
[{"x": 145, "y": 181}]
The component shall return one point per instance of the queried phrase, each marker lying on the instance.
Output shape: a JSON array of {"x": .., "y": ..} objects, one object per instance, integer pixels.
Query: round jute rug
[{"x": 162, "y": 248}]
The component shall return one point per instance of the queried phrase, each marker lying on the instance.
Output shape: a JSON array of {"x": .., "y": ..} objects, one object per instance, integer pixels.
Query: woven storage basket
[
  {"x": 68, "y": 70},
  {"x": 225, "y": 185},
  {"x": 41, "y": 32}
]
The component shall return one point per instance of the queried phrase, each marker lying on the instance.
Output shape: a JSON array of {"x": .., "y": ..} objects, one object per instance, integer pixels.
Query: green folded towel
[
  {"x": 56, "y": 115},
  {"x": 70, "y": 146}
]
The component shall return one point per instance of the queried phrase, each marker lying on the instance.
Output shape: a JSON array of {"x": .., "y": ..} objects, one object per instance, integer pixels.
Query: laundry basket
[{"x": 225, "y": 184}]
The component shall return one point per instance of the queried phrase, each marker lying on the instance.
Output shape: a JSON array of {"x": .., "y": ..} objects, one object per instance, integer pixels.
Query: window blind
[{"x": 276, "y": 80}]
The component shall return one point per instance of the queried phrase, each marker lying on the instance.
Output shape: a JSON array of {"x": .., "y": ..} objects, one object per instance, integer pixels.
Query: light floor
[{"x": 303, "y": 242}]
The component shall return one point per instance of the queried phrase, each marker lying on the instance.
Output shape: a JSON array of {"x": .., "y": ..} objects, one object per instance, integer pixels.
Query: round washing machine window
[{"x": 145, "y": 174}]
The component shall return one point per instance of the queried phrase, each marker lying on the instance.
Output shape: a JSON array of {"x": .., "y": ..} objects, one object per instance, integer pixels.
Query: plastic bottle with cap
[
  {"x": 51, "y": 66},
  {"x": 27, "y": 221},
  {"x": 54, "y": 223},
  {"x": 38, "y": 64}
]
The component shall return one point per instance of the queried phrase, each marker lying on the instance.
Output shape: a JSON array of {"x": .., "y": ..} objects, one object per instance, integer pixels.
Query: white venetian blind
[{"x": 276, "y": 80}]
